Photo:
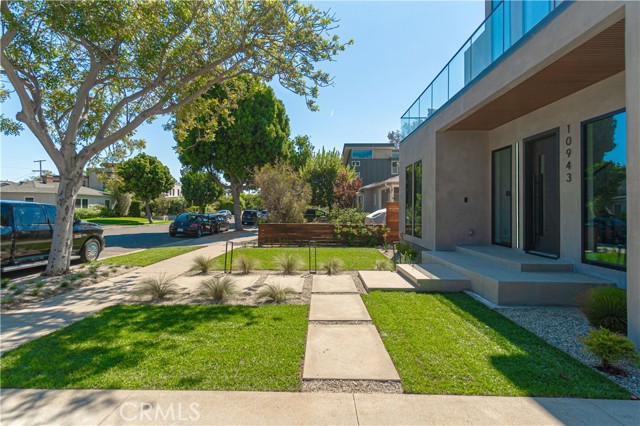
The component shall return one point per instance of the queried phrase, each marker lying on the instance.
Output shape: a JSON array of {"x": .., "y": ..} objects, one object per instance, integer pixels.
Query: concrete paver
[
  {"x": 141, "y": 407},
  {"x": 385, "y": 281},
  {"x": 296, "y": 282},
  {"x": 333, "y": 284},
  {"x": 349, "y": 352},
  {"x": 337, "y": 307}
]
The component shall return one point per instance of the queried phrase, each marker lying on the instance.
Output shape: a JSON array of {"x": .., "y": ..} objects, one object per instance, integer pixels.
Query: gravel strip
[
  {"x": 351, "y": 386},
  {"x": 561, "y": 327},
  {"x": 357, "y": 281}
]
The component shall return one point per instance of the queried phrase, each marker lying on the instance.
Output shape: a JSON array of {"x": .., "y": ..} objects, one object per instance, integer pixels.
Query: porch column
[{"x": 632, "y": 84}]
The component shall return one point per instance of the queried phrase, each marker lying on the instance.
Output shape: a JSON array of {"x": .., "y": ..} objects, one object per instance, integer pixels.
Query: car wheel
[
  {"x": 172, "y": 234},
  {"x": 199, "y": 233},
  {"x": 90, "y": 250}
]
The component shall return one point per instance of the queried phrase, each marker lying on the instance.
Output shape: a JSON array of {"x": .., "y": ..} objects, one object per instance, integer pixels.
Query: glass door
[{"x": 501, "y": 196}]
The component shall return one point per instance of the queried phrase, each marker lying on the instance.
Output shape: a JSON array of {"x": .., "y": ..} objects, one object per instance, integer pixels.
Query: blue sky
[{"x": 399, "y": 47}]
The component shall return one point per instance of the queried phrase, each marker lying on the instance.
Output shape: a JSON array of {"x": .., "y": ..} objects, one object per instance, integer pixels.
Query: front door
[{"x": 542, "y": 195}]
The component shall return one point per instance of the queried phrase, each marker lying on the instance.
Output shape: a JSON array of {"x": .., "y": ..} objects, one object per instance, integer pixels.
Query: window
[
  {"x": 51, "y": 212},
  {"x": 413, "y": 199},
  {"x": 29, "y": 199},
  {"x": 604, "y": 191},
  {"x": 355, "y": 164},
  {"x": 6, "y": 215},
  {"x": 362, "y": 153},
  {"x": 107, "y": 203},
  {"x": 394, "y": 167},
  {"x": 30, "y": 214},
  {"x": 82, "y": 203}
]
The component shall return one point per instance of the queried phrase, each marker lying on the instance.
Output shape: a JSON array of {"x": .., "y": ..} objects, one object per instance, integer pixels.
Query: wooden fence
[
  {"x": 284, "y": 234},
  {"x": 393, "y": 221}
]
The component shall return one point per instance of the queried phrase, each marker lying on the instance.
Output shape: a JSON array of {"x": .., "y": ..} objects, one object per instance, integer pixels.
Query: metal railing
[
  {"x": 508, "y": 23},
  {"x": 226, "y": 251},
  {"x": 314, "y": 244}
]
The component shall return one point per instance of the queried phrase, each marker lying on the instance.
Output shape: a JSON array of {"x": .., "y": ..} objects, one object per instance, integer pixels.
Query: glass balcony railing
[{"x": 508, "y": 23}]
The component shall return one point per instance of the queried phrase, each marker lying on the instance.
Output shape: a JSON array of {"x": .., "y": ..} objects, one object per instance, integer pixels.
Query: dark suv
[
  {"x": 27, "y": 231},
  {"x": 250, "y": 217},
  {"x": 315, "y": 215}
]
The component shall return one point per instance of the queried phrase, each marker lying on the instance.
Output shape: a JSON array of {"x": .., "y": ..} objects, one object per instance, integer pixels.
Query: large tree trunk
[
  {"x": 62, "y": 243},
  {"x": 236, "y": 189},
  {"x": 147, "y": 207}
]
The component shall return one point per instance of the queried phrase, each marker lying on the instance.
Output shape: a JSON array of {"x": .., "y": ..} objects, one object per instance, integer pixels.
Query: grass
[
  {"x": 125, "y": 221},
  {"x": 354, "y": 258},
  {"x": 452, "y": 344},
  {"x": 147, "y": 257},
  {"x": 167, "y": 347},
  {"x": 613, "y": 258}
]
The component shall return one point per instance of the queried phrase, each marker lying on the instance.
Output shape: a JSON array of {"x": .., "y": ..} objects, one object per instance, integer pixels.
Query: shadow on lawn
[
  {"x": 534, "y": 366},
  {"x": 119, "y": 336}
]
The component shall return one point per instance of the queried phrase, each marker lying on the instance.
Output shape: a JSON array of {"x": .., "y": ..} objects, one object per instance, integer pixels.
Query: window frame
[
  {"x": 29, "y": 199},
  {"x": 355, "y": 163},
  {"x": 81, "y": 200},
  {"x": 395, "y": 163}
]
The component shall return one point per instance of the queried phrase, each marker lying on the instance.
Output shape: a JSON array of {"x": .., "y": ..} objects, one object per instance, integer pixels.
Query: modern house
[
  {"x": 46, "y": 191},
  {"x": 520, "y": 162},
  {"x": 175, "y": 192},
  {"x": 376, "y": 165}
]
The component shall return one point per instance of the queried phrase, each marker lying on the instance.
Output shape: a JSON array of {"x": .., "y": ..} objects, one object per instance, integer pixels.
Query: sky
[{"x": 399, "y": 48}]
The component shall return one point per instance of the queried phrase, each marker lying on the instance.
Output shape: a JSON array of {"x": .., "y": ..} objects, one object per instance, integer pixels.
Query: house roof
[
  {"x": 392, "y": 181},
  {"x": 36, "y": 187}
]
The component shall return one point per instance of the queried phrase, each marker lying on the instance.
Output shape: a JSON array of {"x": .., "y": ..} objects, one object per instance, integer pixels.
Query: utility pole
[{"x": 39, "y": 161}]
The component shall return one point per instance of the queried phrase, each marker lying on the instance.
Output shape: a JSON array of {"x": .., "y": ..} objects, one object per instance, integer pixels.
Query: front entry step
[
  {"x": 515, "y": 259},
  {"x": 434, "y": 277}
]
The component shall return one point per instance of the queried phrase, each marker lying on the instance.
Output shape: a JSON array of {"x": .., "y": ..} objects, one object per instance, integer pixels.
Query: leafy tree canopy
[
  {"x": 199, "y": 188},
  {"x": 301, "y": 151},
  {"x": 321, "y": 173},
  {"x": 284, "y": 193}
]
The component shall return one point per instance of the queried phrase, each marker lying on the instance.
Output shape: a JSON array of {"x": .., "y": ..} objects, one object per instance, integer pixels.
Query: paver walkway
[
  {"x": 23, "y": 325},
  {"x": 337, "y": 348},
  {"x": 114, "y": 407}
]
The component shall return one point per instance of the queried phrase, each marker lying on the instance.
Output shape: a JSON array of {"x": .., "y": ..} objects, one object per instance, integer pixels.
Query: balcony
[{"x": 509, "y": 24}]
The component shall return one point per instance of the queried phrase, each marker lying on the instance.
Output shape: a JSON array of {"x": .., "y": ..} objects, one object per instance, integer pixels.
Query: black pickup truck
[{"x": 27, "y": 231}]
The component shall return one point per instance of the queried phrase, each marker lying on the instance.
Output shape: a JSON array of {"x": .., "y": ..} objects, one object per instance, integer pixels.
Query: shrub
[
  {"x": 332, "y": 266},
  {"x": 245, "y": 264},
  {"x": 289, "y": 263},
  {"x": 135, "y": 209},
  {"x": 157, "y": 288},
  {"x": 86, "y": 213},
  {"x": 607, "y": 307},
  {"x": 121, "y": 203},
  {"x": 35, "y": 292},
  {"x": 218, "y": 289},
  {"x": 274, "y": 293},
  {"x": 4, "y": 282},
  {"x": 201, "y": 264},
  {"x": 18, "y": 291},
  {"x": 351, "y": 230},
  {"x": 609, "y": 347},
  {"x": 64, "y": 284},
  {"x": 176, "y": 206},
  {"x": 284, "y": 193},
  {"x": 160, "y": 206},
  {"x": 7, "y": 300},
  {"x": 407, "y": 254},
  {"x": 382, "y": 265},
  {"x": 39, "y": 284}
]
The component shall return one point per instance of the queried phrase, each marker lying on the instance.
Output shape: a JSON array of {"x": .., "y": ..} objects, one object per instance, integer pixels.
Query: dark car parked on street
[
  {"x": 219, "y": 222},
  {"x": 250, "y": 217},
  {"x": 192, "y": 224},
  {"x": 315, "y": 215},
  {"x": 27, "y": 231}
]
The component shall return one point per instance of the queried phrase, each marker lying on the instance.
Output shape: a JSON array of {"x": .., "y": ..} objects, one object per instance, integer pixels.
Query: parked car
[
  {"x": 27, "y": 231},
  {"x": 315, "y": 215},
  {"x": 379, "y": 217},
  {"x": 191, "y": 224},
  {"x": 264, "y": 215},
  {"x": 250, "y": 217},
  {"x": 226, "y": 213},
  {"x": 221, "y": 222}
]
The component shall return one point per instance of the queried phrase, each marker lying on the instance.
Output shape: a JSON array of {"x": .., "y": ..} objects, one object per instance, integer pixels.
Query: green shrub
[
  {"x": 7, "y": 300},
  {"x": 383, "y": 265},
  {"x": 4, "y": 282},
  {"x": 157, "y": 288},
  {"x": 607, "y": 307},
  {"x": 218, "y": 288},
  {"x": 87, "y": 213},
  {"x": 245, "y": 264},
  {"x": 201, "y": 264},
  {"x": 351, "y": 230},
  {"x": 176, "y": 206},
  {"x": 39, "y": 284},
  {"x": 13, "y": 287},
  {"x": 610, "y": 347},
  {"x": 407, "y": 254},
  {"x": 18, "y": 291},
  {"x": 274, "y": 293},
  {"x": 35, "y": 292},
  {"x": 332, "y": 266},
  {"x": 135, "y": 208},
  {"x": 64, "y": 284},
  {"x": 289, "y": 263}
]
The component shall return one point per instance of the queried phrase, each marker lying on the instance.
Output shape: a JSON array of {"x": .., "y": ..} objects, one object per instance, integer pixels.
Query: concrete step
[
  {"x": 434, "y": 278},
  {"x": 515, "y": 259},
  {"x": 505, "y": 285},
  {"x": 384, "y": 281}
]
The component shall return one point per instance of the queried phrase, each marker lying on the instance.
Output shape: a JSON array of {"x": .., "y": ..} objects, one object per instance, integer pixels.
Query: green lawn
[
  {"x": 452, "y": 344},
  {"x": 167, "y": 347},
  {"x": 613, "y": 258},
  {"x": 128, "y": 221},
  {"x": 147, "y": 257},
  {"x": 354, "y": 258}
]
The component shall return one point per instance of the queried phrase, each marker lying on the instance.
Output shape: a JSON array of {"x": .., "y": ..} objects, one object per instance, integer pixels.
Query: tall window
[
  {"x": 82, "y": 203},
  {"x": 413, "y": 201},
  {"x": 394, "y": 167},
  {"x": 604, "y": 166}
]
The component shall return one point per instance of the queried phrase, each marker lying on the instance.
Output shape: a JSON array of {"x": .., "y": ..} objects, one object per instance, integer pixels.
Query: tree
[
  {"x": 321, "y": 173},
  {"x": 285, "y": 194},
  {"x": 89, "y": 73},
  {"x": 199, "y": 188},
  {"x": 230, "y": 148},
  {"x": 346, "y": 188},
  {"x": 301, "y": 151},
  {"x": 146, "y": 177},
  {"x": 395, "y": 137}
]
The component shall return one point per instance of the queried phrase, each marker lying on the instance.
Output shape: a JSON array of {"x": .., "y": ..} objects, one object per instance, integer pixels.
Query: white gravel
[{"x": 561, "y": 327}]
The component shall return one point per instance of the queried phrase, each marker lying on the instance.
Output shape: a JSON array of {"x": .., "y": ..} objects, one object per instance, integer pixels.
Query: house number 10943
[{"x": 567, "y": 151}]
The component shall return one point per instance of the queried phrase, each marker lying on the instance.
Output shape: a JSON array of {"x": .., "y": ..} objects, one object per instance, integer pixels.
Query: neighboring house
[
  {"x": 374, "y": 164},
  {"x": 175, "y": 192},
  {"x": 374, "y": 196},
  {"x": 6, "y": 182},
  {"x": 520, "y": 147},
  {"x": 47, "y": 191}
]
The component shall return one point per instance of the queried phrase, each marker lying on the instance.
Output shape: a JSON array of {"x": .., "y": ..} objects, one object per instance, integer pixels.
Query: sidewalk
[
  {"x": 104, "y": 407},
  {"x": 23, "y": 325}
]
